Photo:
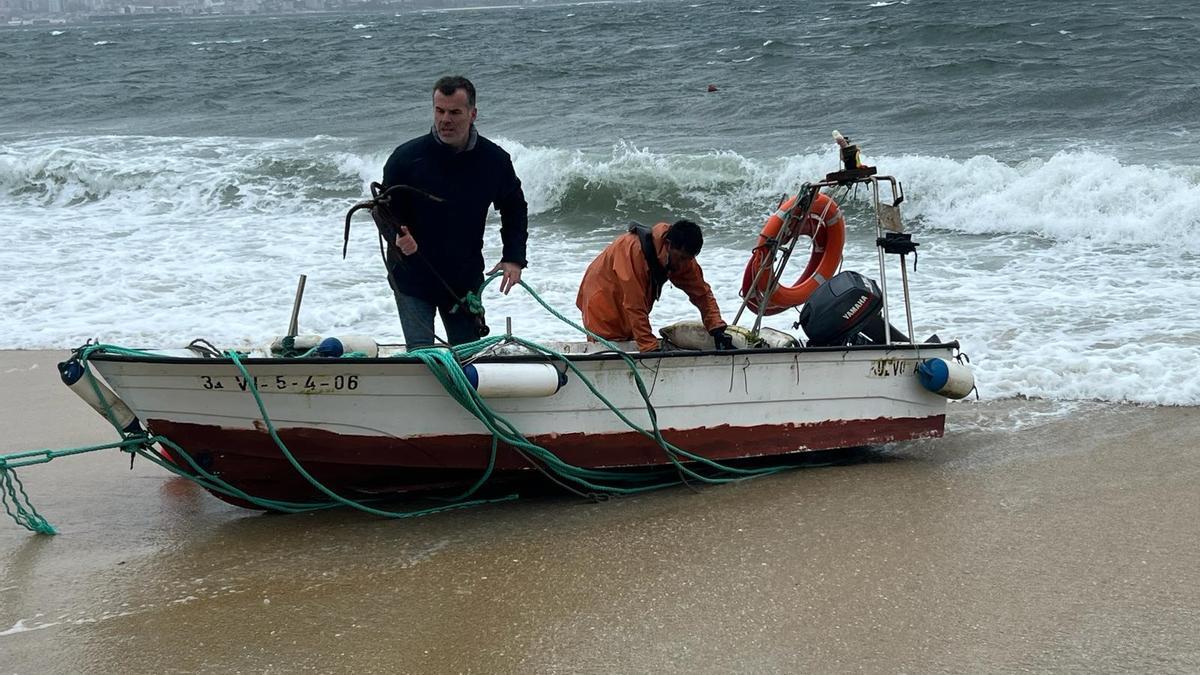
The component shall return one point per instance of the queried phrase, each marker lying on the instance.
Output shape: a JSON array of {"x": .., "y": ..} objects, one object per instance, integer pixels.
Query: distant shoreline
[
  {"x": 116, "y": 19},
  {"x": 111, "y": 19}
]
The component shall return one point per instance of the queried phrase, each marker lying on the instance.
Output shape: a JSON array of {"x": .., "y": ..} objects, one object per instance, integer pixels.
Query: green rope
[
  {"x": 471, "y": 302},
  {"x": 333, "y": 495},
  {"x": 17, "y": 504},
  {"x": 673, "y": 452},
  {"x": 445, "y": 365},
  {"x": 212, "y": 482}
]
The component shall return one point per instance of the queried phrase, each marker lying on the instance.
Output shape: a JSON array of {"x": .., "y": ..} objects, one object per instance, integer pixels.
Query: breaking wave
[{"x": 1068, "y": 196}]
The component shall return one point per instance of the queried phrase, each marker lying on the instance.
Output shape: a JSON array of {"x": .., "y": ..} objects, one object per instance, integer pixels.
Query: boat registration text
[
  {"x": 893, "y": 367},
  {"x": 295, "y": 384}
]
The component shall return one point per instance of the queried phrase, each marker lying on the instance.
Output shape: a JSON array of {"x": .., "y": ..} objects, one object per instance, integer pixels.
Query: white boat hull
[{"x": 370, "y": 425}]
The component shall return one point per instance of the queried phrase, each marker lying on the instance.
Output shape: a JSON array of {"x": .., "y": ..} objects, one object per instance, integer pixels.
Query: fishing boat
[{"x": 381, "y": 420}]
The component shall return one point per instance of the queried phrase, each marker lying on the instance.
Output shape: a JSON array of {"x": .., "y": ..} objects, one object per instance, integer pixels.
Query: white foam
[
  {"x": 1073, "y": 195},
  {"x": 23, "y": 626}
]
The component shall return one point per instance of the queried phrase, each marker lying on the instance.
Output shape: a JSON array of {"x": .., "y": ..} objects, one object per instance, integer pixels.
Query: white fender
[
  {"x": 514, "y": 380},
  {"x": 72, "y": 372}
]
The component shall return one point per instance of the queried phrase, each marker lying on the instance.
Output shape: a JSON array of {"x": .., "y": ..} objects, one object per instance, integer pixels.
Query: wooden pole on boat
[{"x": 293, "y": 325}]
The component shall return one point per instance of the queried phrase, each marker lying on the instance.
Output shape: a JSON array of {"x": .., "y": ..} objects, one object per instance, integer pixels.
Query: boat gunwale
[{"x": 521, "y": 358}]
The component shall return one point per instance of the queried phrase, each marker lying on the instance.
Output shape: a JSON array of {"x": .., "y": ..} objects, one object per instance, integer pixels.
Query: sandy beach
[{"x": 1029, "y": 539}]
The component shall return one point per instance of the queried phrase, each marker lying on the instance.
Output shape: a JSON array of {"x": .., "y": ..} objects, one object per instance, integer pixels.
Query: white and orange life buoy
[{"x": 826, "y": 225}]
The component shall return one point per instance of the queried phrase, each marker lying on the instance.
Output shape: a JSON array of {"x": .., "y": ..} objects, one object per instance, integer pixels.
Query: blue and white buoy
[
  {"x": 334, "y": 347},
  {"x": 946, "y": 378}
]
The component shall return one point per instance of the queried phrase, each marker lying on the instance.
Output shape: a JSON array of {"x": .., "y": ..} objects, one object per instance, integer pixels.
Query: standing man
[
  {"x": 620, "y": 286},
  {"x": 435, "y": 255}
]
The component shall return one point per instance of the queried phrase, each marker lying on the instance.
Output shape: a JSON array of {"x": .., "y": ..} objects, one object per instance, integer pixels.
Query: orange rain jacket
[{"x": 616, "y": 293}]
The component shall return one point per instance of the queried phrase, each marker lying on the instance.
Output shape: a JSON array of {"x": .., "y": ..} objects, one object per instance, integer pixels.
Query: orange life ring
[{"x": 826, "y": 225}]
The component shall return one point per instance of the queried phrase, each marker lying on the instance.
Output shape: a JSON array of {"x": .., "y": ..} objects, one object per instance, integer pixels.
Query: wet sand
[{"x": 1027, "y": 540}]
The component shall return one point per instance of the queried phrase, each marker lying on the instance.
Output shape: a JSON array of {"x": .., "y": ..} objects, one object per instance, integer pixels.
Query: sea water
[{"x": 164, "y": 181}]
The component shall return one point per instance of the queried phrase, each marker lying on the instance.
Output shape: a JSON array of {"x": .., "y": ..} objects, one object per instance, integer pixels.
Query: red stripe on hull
[{"x": 250, "y": 460}]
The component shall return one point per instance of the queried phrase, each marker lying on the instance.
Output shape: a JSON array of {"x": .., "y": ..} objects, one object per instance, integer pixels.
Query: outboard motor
[{"x": 841, "y": 308}]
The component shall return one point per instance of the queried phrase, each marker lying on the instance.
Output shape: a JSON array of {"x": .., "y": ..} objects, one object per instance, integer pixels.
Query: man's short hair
[
  {"x": 686, "y": 236},
  {"x": 452, "y": 83}
]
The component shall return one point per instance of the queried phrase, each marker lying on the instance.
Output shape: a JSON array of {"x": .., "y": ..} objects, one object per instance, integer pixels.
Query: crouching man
[{"x": 620, "y": 286}]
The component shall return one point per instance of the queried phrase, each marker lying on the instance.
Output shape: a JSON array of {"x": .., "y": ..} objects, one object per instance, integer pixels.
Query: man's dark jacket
[{"x": 449, "y": 234}]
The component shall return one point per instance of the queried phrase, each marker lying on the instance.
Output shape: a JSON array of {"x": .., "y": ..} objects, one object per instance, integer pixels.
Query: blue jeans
[{"x": 416, "y": 319}]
